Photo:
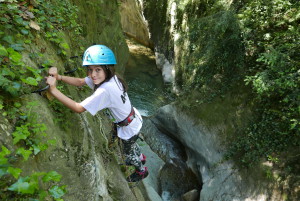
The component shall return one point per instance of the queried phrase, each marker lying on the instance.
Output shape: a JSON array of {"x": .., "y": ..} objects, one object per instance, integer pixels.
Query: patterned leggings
[{"x": 132, "y": 152}]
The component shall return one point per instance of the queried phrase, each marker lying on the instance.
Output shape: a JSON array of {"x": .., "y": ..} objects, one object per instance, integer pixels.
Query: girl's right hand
[
  {"x": 53, "y": 72},
  {"x": 51, "y": 81}
]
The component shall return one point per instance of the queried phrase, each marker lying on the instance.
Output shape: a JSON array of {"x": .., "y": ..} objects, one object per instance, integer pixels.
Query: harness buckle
[{"x": 128, "y": 119}]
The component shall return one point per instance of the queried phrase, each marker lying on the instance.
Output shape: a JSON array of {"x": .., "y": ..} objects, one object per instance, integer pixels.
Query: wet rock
[
  {"x": 175, "y": 181},
  {"x": 167, "y": 148},
  {"x": 5, "y": 130},
  {"x": 192, "y": 195},
  {"x": 175, "y": 177}
]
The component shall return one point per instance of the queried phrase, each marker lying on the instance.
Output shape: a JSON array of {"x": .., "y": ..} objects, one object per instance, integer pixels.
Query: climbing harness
[{"x": 128, "y": 119}]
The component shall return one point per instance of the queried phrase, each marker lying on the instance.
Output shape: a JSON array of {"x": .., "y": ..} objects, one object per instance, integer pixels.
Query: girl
[{"x": 110, "y": 92}]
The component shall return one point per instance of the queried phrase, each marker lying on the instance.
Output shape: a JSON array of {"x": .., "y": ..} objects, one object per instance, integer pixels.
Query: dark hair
[{"x": 109, "y": 71}]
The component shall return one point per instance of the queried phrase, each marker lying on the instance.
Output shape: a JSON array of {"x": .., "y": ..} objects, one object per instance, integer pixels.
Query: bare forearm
[
  {"x": 76, "y": 107},
  {"x": 72, "y": 80}
]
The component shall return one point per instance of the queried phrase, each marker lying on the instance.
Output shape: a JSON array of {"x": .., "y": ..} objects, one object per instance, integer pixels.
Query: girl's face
[{"x": 96, "y": 73}]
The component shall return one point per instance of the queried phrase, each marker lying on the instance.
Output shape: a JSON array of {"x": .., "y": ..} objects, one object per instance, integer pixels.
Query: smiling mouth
[{"x": 95, "y": 81}]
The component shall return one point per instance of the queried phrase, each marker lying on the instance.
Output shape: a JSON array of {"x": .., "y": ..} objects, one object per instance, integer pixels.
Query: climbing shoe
[
  {"x": 143, "y": 159},
  {"x": 138, "y": 175}
]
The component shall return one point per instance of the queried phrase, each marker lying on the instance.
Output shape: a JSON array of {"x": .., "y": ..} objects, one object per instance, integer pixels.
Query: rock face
[
  {"x": 174, "y": 177},
  {"x": 80, "y": 155},
  {"x": 191, "y": 195},
  {"x": 133, "y": 22},
  {"x": 198, "y": 148}
]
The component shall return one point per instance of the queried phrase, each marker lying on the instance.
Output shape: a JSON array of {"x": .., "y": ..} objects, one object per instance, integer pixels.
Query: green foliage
[
  {"x": 52, "y": 176},
  {"x": 270, "y": 31},
  {"x": 4, "y": 153},
  {"x": 57, "y": 191},
  {"x": 24, "y": 152},
  {"x": 213, "y": 59},
  {"x": 55, "y": 16},
  {"x": 15, "y": 172},
  {"x": 61, "y": 112},
  {"x": 257, "y": 47},
  {"x": 26, "y": 187},
  {"x": 159, "y": 26},
  {"x": 31, "y": 134},
  {"x": 29, "y": 138},
  {"x": 14, "y": 73},
  {"x": 21, "y": 24}
]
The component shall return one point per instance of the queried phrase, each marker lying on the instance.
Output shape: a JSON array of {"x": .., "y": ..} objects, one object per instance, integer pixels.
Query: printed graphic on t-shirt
[{"x": 123, "y": 97}]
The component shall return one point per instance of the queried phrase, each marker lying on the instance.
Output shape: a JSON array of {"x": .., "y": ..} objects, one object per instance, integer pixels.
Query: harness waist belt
[{"x": 128, "y": 119}]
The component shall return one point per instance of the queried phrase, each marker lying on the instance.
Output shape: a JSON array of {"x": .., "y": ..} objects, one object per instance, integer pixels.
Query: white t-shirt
[{"x": 110, "y": 95}]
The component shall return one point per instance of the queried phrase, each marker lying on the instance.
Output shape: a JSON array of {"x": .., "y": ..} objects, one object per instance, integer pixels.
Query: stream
[{"x": 147, "y": 90}]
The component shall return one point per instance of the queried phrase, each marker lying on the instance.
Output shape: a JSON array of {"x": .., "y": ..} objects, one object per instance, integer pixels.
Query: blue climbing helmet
[{"x": 98, "y": 55}]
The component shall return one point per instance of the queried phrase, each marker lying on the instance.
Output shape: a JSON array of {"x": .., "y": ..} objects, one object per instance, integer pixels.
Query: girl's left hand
[{"x": 53, "y": 72}]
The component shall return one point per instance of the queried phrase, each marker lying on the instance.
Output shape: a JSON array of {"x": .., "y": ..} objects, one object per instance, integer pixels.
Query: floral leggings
[{"x": 132, "y": 152}]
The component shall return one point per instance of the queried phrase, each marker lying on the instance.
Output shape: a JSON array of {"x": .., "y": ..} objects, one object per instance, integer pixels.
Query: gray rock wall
[
  {"x": 133, "y": 22},
  {"x": 202, "y": 145}
]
